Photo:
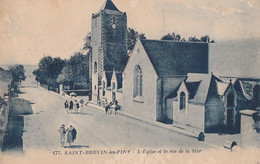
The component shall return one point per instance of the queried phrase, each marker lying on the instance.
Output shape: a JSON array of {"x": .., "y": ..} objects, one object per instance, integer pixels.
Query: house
[
  {"x": 238, "y": 59},
  {"x": 5, "y": 82},
  {"x": 206, "y": 102},
  {"x": 156, "y": 68}
]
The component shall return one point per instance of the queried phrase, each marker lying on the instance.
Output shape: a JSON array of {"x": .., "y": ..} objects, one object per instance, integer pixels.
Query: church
[
  {"x": 164, "y": 81},
  {"x": 109, "y": 48}
]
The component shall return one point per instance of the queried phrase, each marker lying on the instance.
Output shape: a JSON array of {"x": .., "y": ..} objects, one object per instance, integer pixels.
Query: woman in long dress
[
  {"x": 71, "y": 135},
  {"x": 81, "y": 106}
]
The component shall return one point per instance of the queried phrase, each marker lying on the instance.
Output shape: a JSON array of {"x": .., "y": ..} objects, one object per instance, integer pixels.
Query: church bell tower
[{"x": 108, "y": 42}]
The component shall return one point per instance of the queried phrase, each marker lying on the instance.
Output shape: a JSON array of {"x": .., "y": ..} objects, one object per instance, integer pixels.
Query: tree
[
  {"x": 132, "y": 36},
  {"x": 87, "y": 44},
  {"x": 193, "y": 39},
  {"x": 18, "y": 73},
  {"x": 205, "y": 39},
  {"x": 173, "y": 36},
  {"x": 177, "y": 37},
  {"x": 75, "y": 71},
  {"x": 49, "y": 70}
]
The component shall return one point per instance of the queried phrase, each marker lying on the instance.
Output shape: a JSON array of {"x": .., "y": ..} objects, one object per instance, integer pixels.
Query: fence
[{"x": 50, "y": 88}]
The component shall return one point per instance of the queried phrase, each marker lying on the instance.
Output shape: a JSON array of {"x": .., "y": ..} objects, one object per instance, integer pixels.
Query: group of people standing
[
  {"x": 71, "y": 134},
  {"x": 74, "y": 105}
]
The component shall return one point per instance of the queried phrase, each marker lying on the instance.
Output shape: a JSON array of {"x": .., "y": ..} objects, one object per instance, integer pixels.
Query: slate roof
[
  {"x": 203, "y": 88},
  {"x": 177, "y": 58},
  {"x": 227, "y": 79},
  {"x": 109, "y": 77},
  {"x": 176, "y": 85},
  {"x": 222, "y": 87},
  {"x": 109, "y": 5},
  {"x": 198, "y": 86},
  {"x": 119, "y": 78},
  {"x": 240, "y": 85},
  {"x": 192, "y": 88}
]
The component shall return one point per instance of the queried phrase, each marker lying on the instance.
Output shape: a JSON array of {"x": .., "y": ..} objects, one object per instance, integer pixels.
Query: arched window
[
  {"x": 182, "y": 101},
  {"x": 138, "y": 81},
  {"x": 104, "y": 88},
  {"x": 95, "y": 67},
  {"x": 230, "y": 100}
]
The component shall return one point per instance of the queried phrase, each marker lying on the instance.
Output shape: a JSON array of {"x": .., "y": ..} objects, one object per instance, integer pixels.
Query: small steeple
[{"x": 109, "y": 5}]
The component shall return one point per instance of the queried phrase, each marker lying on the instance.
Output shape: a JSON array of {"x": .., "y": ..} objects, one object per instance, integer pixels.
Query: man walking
[{"x": 62, "y": 132}]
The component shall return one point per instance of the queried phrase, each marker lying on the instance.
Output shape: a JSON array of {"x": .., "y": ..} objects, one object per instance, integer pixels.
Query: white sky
[{"x": 31, "y": 28}]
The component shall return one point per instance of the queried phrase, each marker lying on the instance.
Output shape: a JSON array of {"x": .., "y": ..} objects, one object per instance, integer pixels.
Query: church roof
[
  {"x": 222, "y": 87},
  {"x": 109, "y": 5},
  {"x": 176, "y": 83},
  {"x": 119, "y": 79},
  {"x": 177, "y": 58},
  {"x": 192, "y": 88},
  {"x": 198, "y": 86},
  {"x": 109, "y": 77},
  {"x": 202, "y": 87}
]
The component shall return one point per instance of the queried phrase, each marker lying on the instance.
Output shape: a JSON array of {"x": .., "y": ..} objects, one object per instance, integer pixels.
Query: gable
[
  {"x": 183, "y": 88},
  {"x": 139, "y": 56}
]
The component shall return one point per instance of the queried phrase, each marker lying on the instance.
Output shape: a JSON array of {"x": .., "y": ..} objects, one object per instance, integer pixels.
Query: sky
[{"x": 30, "y": 29}]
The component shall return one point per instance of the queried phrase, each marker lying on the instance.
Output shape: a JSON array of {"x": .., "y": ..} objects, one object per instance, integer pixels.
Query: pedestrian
[
  {"x": 77, "y": 106},
  {"x": 116, "y": 105},
  {"x": 106, "y": 108},
  {"x": 98, "y": 102},
  {"x": 66, "y": 104},
  {"x": 62, "y": 132},
  {"x": 81, "y": 106},
  {"x": 71, "y": 134},
  {"x": 105, "y": 103},
  {"x": 71, "y": 106}
]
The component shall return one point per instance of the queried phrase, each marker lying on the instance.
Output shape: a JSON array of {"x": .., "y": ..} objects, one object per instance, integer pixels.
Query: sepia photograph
[{"x": 129, "y": 81}]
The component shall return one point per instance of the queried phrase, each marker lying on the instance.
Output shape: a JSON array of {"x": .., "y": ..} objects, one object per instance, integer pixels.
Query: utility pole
[{"x": 163, "y": 22}]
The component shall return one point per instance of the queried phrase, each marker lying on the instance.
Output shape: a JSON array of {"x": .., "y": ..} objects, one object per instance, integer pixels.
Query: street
[{"x": 94, "y": 128}]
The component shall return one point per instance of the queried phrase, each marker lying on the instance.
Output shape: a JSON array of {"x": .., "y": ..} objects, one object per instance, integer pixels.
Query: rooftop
[{"x": 177, "y": 58}]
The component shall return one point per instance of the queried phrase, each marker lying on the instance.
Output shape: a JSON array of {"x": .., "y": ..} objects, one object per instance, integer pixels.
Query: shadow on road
[
  {"x": 82, "y": 113},
  {"x": 12, "y": 139},
  {"x": 21, "y": 107}
]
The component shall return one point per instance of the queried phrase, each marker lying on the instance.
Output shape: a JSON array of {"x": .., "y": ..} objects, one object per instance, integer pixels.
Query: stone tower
[{"x": 108, "y": 42}]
